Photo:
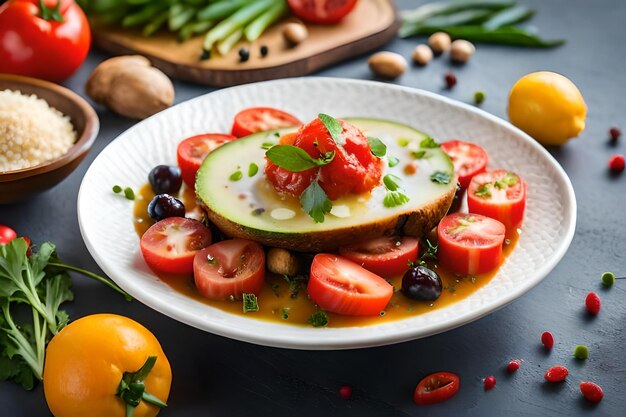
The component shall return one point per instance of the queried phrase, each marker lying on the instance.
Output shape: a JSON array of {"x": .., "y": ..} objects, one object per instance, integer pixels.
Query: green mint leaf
[
  {"x": 253, "y": 169},
  {"x": 293, "y": 159},
  {"x": 403, "y": 142},
  {"x": 377, "y": 147},
  {"x": 236, "y": 176},
  {"x": 440, "y": 177},
  {"x": 315, "y": 202},
  {"x": 250, "y": 303},
  {"x": 428, "y": 143},
  {"x": 319, "y": 319},
  {"x": 393, "y": 161},
  {"x": 394, "y": 199},
  {"x": 333, "y": 126},
  {"x": 418, "y": 154},
  {"x": 391, "y": 182},
  {"x": 483, "y": 191}
]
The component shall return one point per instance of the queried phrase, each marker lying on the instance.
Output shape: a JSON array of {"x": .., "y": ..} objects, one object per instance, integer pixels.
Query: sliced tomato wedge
[
  {"x": 261, "y": 119},
  {"x": 498, "y": 194},
  {"x": 386, "y": 256},
  {"x": 192, "y": 151},
  {"x": 324, "y": 12},
  {"x": 343, "y": 287},
  {"x": 468, "y": 159},
  {"x": 171, "y": 244},
  {"x": 229, "y": 268},
  {"x": 436, "y": 388},
  {"x": 470, "y": 243}
]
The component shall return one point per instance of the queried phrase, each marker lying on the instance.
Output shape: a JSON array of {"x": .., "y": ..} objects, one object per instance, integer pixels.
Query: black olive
[
  {"x": 165, "y": 179},
  {"x": 421, "y": 283},
  {"x": 163, "y": 206}
]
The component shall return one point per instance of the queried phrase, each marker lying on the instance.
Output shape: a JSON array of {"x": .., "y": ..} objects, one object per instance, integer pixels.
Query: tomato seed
[
  {"x": 614, "y": 133},
  {"x": 345, "y": 392},
  {"x": 617, "y": 163},
  {"x": 547, "y": 340},
  {"x": 513, "y": 366},
  {"x": 592, "y": 303},
  {"x": 592, "y": 392},
  {"x": 490, "y": 382},
  {"x": 556, "y": 374},
  {"x": 450, "y": 79}
]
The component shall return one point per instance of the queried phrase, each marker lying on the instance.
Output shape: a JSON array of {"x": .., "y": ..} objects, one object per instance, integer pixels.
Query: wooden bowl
[{"x": 23, "y": 183}]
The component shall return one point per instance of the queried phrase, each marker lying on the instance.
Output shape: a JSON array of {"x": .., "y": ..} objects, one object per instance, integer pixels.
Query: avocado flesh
[{"x": 250, "y": 207}]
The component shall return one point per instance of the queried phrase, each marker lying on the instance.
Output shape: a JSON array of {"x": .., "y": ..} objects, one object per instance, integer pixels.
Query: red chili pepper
[
  {"x": 617, "y": 163},
  {"x": 345, "y": 392},
  {"x": 547, "y": 339},
  {"x": 592, "y": 303},
  {"x": 556, "y": 374},
  {"x": 592, "y": 392},
  {"x": 490, "y": 382},
  {"x": 450, "y": 79},
  {"x": 513, "y": 366}
]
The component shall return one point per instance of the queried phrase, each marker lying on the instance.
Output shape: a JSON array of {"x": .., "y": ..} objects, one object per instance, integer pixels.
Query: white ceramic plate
[{"x": 106, "y": 220}]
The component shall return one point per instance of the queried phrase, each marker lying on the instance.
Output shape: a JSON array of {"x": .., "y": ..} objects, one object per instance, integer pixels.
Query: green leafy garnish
[
  {"x": 390, "y": 182},
  {"x": 129, "y": 194},
  {"x": 253, "y": 169},
  {"x": 236, "y": 176},
  {"x": 267, "y": 145},
  {"x": 394, "y": 199},
  {"x": 403, "y": 142},
  {"x": 315, "y": 202},
  {"x": 250, "y": 303},
  {"x": 483, "y": 191},
  {"x": 430, "y": 254},
  {"x": 333, "y": 126},
  {"x": 509, "y": 180},
  {"x": 295, "y": 283},
  {"x": 295, "y": 159},
  {"x": 429, "y": 142},
  {"x": 377, "y": 146},
  {"x": 393, "y": 161},
  {"x": 318, "y": 319},
  {"x": 418, "y": 154},
  {"x": 440, "y": 177},
  {"x": 117, "y": 189}
]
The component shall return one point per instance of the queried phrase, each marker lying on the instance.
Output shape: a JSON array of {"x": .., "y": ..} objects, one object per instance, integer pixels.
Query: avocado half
[{"x": 232, "y": 188}]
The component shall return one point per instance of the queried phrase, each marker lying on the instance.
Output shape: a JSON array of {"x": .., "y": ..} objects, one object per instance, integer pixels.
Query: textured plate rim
[{"x": 364, "y": 339}]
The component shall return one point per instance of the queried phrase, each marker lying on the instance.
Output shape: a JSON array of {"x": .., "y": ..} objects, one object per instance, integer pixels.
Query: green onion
[
  {"x": 156, "y": 23},
  {"x": 193, "y": 28},
  {"x": 226, "y": 44},
  {"x": 508, "y": 17},
  {"x": 144, "y": 15},
  {"x": 179, "y": 15},
  {"x": 258, "y": 25},
  {"x": 221, "y": 9}
]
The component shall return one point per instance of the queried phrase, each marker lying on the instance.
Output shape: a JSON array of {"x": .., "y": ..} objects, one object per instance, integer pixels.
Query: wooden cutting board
[{"x": 371, "y": 24}]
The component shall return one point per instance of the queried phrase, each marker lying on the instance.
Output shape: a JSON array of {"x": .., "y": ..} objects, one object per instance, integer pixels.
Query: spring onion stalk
[
  {"x": 226, "y": 44},
  {"x": 221, "y": 9},
  {"x": 156, "y": 23},
  {"x": 434, "y": 9},
  {"x": 144, "y": 15},
  {"x": 194, "y": 28},
  {"x": 507, "y": 35},
  {"x": 258, "y": 25},
  {"x": 179, "y": 15},
  {"x": 508, "y": 17}
]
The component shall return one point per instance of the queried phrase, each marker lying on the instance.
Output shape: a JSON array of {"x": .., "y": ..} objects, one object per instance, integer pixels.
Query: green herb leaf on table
[
  {"x": 295, "y": 159},
  {"x": 315, "y": 202},
  {"x": 334, "y": 127},
  {"x": 440, "y": 177},
  {"x": 250, "y": 303},
  {"x": 377, "y": 147}
]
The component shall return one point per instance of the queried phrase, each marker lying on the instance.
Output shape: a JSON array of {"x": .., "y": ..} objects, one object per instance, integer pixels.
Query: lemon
[{"x": 547, "y": 106}]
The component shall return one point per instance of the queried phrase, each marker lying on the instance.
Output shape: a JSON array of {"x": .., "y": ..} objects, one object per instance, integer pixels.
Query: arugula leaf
[
  {"x": 377, "y": 147},
  {"x": 429, "y": 142},
  {"x": 315, "y": 202},
  {"x": 440, "y": 177},
  {"x": 334, "y": 128},
  {"x": 296, "y": 159}
]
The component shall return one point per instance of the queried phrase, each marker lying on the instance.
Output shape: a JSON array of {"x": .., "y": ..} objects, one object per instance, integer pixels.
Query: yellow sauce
[{"x": 277, "y": 304}]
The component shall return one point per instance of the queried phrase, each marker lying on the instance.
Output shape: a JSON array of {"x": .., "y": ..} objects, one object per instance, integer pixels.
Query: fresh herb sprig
[
  {"x": 430, "y": 254},
  {"x": 394, "y": 197}
]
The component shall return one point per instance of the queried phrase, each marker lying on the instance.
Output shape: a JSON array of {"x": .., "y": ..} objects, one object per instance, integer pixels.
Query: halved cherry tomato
[
  {"x": 386, "y": 256},
  {"x": 343, "y": 287},
  {"x": 192, "y": 151},
  {"x": 468, "y": 158},
  {"x": 470, "y": 243},
  {"x": 436, "y": 388},
  {"x": 323, "y": 12},
  {"x": 261, "y": 119},
  {"x": 6, "y": 234},
  {"x": 498, "y": 194},
  {"x": 229, "y": 268},
  {"x": 170, "y": 245}
]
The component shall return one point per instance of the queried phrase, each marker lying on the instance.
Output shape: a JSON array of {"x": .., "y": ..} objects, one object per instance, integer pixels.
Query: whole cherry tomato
[
  {"x": 46, "y": 39},
  {"x": 102, "y": 365}
]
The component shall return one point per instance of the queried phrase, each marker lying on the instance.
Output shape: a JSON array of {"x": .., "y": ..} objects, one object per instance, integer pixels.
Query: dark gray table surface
[{"x": 215, "y": 376}]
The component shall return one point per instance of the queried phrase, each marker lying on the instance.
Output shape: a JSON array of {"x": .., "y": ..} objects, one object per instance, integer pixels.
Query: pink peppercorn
[
  {"x": 345, "y": 392},
  {"x": 513, "y": 366},
  {"x": 617, "y": 163},
  {"x": 592, "y": 303},
  {"x": 490, "y": 382},
  {"x": 450, "y": 79},
  {"x": 547, "y": 340}
]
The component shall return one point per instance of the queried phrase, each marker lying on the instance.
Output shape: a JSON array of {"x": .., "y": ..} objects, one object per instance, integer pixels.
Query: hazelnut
[
  {"x": 422, "y": 54},
  {"x": 295, "y": 33},
  {"x": 439, "y": 42},
  {"x": 387, "y": 64},
  {"x": 461, "y": 51}
]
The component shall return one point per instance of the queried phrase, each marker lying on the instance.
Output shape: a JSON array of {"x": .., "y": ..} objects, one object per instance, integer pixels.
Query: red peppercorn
[
  {"x": 345, "y": 392},
  {"x": 592, "y": 392},
  {"x": 450, "y": 79},
  {"x": 616, "y": 163},
  {"x": 490, "y": 382},
  {"x": 614, "y": 133},
  {"x": 513, "y": 365},
  {"x": 547, "y": 339},
  {"x": 592, "y": 303},
  {"x": 556, "y": 374}
]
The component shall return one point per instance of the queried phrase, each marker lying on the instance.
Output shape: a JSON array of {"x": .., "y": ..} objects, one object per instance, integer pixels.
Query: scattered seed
[
  {"x": 440, "y": 42},
  {"x": 129, "y": 193},
  {"x": 592, "y": 392},
  {"x": 117, "y": 189},
  {"x": 556, "y": 374},
  {"x": 345, "y": 392},
  {"x": 422, "y": 54},
  {"x": 244, "y": 55},
  {"x": 489, "y": 382},
  {"x": 581, "y": 352},
  {"x": 264, "y": 50},
  {"x": 608, "y": 279},
  {"x": 461, "y": 51},
  {"x": 450, "y": 79},
  {"x": 547, "y": 340},
  {"x": 617, "y": 163},
  {"x": 513, "y": 366},
  {"x": 614, "y": 134},
  {"x": 592, "y": 303},
  {"x": 479, "y": 97}
]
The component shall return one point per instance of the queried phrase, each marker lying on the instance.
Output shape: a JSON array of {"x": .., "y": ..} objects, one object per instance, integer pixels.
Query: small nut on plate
[
  {"x": 282, "y": 262},
  {"x": 422, "y": 54},
  {"x": 387, "y": 64},
  {"x": 461, "y": 51},
  {"x": 440, "y": 42},
  {"x": 295, "y": 33}
]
